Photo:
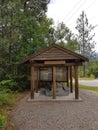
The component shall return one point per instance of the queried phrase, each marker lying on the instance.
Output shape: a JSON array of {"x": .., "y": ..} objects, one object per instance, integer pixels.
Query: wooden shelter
[{"x": 57, "y": 64}]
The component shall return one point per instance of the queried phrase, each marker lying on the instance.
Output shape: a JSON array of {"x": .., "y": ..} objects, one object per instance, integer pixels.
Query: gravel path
[
  {"x": 57, "y": 115},
  {"x": 89, "y": 82}
]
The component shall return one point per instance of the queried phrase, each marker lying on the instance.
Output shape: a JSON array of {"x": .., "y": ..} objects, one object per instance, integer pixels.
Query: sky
[{"x": 68, "y": 11}]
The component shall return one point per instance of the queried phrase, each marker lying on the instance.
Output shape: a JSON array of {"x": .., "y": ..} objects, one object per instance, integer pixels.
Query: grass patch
[
  {"x": 7, "y": 98},
  {"x": 7, "y": 101},
  {"x": 84, "y": 78},
  {"x": 95, "y": 89}
]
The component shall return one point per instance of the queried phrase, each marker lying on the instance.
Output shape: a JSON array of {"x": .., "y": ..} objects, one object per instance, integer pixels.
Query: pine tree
[
  {"x": 86, "y": 44},
  {"x": 85, "y": 36}
]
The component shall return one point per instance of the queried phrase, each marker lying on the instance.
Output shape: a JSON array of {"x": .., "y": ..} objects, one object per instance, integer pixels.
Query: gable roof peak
[{"x": 55, "y": 52}]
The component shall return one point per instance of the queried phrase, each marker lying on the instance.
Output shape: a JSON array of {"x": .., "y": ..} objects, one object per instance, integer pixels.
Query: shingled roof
[{"x": 55, "y": 52}]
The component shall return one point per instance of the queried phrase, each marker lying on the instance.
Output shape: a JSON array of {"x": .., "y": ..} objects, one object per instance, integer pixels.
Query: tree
[
  {"x": 62, "y": 34},
  {"x": 72, "y": 44},
  {"x": 85, "y": 37},
  {"x": 64, "y": 37},
  {"x": 21, "y": 24},
  {"x": 93, "y": 68},
  {"x": 24, "y": 29}
]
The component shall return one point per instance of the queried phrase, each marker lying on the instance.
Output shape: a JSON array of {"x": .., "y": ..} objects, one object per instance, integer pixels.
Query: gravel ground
[{"x": 57, "y": 115}]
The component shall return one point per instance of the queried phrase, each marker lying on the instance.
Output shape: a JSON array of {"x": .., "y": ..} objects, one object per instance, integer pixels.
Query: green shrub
[
  {"x": 5, "y": 98},
  {"x": 5, "y": 90},
  {"x": 16, "y": 83},
  {"x": 92, "y": 76},
  {"x": 22, "y": 82},
  {"x": 8, "y": 84},
  {"x": 2, "y": 122}
]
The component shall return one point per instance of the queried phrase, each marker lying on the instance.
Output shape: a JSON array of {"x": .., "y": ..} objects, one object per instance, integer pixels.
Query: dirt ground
[{"x": 57, "y": 115}]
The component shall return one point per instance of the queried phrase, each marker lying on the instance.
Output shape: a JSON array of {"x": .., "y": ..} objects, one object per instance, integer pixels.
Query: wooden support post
[
  {"x": 32, "y": 82},
  {"x": 54, "y": 82},
  {"x": 76, "y": 82},
  {"x": 71, "y": 84},
  {"x": 68, "y": 75},
  {"x": 37, "y": 81}
]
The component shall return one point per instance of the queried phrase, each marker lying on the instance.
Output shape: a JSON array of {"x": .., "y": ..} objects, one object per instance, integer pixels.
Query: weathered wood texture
[
  {"x": 54, "y": 53},
  {"x": 68, "y": 75},
  {"x": 54, "y": 56},
  {"x": 54, "y": 82},
  {"x": 54, "y": 62},
  {"x": 32, "y": 82},
  {"x": 37, "y": 85},
  {"x": 71, "y": 84},
  {"x": 62, "y": 65},
  {"x": 76, "y": 82}
]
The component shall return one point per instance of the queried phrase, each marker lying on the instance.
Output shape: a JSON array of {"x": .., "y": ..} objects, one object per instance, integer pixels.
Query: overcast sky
[{"x": 69, "y": 10}]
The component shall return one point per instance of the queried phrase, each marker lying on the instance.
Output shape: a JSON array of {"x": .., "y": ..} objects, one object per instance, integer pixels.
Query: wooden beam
[
  {"x": 71, "y": 84},
  {"x": 32, "y": 82},
  {"x": 73, "y": 64},
  {"x": 76, "y": 82},
  {"x": 54, "y": 62},
  {"x": 54, "y": 82},
  {"x": 48, "y": 65}
]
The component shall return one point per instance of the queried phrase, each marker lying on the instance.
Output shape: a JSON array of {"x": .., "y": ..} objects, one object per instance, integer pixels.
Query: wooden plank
[
  {"x": 44, "y": 65},
  {"x": 55, "y": 52},
  {"x": 72, "y": 64},
  {"x": 54, "y": 62},
  {"x": 71, "y": 84},
  {"x": 32, "y": 82},
  {"x": 54, "y": 82},
  {"x": 76, "y": 82},
  {"x": 47, "y": 65}
]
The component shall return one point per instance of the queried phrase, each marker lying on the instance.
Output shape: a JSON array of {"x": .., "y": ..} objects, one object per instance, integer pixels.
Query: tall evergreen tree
[
  {"x": 85, "y": 36},
  {"x": 86, "y": 44}
]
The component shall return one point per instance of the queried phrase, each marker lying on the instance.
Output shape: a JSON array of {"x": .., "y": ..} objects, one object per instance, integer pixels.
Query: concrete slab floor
[{"x": 40, "y": 98}]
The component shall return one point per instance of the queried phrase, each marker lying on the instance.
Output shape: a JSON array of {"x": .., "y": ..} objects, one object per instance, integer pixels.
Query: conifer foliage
[{"x": 86, "y": 44}]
